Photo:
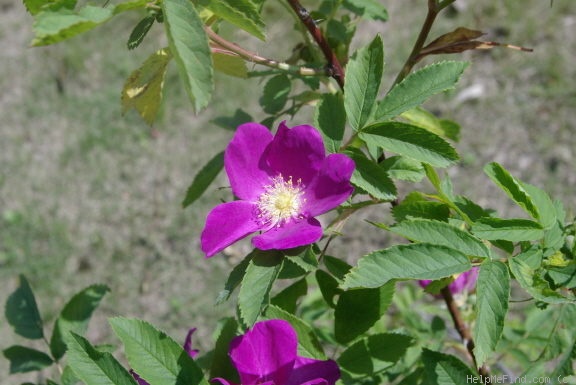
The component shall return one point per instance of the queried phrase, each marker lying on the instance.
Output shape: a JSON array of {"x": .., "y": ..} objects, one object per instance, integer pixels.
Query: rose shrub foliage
[{"x": 307, "y": 312}]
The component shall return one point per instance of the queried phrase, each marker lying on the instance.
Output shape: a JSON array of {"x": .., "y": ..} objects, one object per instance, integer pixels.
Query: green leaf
[
  {"x": 358, "y": 310},
  {"x": 231, "y": 122},
  {"x": 189, "y": 45},
  {"x": 234, "y": 279},
  {"x": 53, "y": 26},
  {"x": 221, "y": 365},
  {"x": 328, "y": 287},
  {"x": 36, "y": 6},
  {"x": 411, "y": 141},
  {"x": 203, "y": 179},
  {"x": 541, "y": 200},
  {"x": 75, "y": 317},
  {"x": 419, "y": 86},
  {"x": 441, "y": 233},
  {"x": 307, "y": 260},
  {"x": 433, "y": 177},
  {"x": 275, "y": 94},
  {"x": 368, "y": 9},
  {"x": 371, "y": 178},
  {"x": 422, "y": 118},
  {"x": 288, "y": 298},
  {"x": 256, "y": 284},
  {"x": 308, "y": 344},
  {"x": 336, "y": 266},
  {"x": 22, "y": 312},
  {"x": 156, "y": 357},
  {"x": 403, "y": 168},
  {"x": 513, "y": 230},
  {"x": 531, "y": 281},
  {"x": 470, "y": 208},
  {"x": 139, "y": 32},
  {"x": 68, "y": 376},
  {"x": 230, "y": 64},
  {"x": 242, "y": 13},
  {"x": 143, "y": 88},
  {"x": 374, "y": 353},
  {"x": 512, "y": 187},
  {"x": 23, "y": 359},
  {"x": 363, "y": 77},
  {"x": 415, "y": 261},
  {"x": 94, "y": 367},
  {"x": 416, "y": 206},
  {"x": 492, "y": 294},
  {"x": 563, "y": 276},
  {"x": 445, "y": 369},
  {"x": 330, "y": 119}
]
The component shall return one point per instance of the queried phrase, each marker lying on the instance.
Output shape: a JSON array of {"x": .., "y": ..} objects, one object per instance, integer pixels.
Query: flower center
[{"x": 281, "y": 201}]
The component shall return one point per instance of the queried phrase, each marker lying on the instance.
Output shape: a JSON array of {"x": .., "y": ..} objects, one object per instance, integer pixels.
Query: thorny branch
[{"x": 334, "y": 66}]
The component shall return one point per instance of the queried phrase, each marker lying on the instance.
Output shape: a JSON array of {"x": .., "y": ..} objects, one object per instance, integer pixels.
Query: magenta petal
[
  {"x": 308, "y": 371},
  {"x": 138, "y": 379},
  {"x": 265, "y": 353},
  {"x": 227, "y": 223},
  {"x": 465, "y": 281},
  {"x": 222, "y": 381},
  {"x": 246, "y": 171},
  {"x": 188, "y": 344},
  {"x": 296, "y": 152},
  {"x": 332, "y": 186},
  {"x": 290, "y": 235}
]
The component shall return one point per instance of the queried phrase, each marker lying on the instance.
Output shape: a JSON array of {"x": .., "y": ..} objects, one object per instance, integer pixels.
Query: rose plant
[{"x": 306, "y": 312}]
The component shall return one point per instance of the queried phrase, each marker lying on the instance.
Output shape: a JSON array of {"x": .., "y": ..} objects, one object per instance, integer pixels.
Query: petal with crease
[
  {"x": 246, "y": 170},
  {"x": 266, "y": 353},
  {"x": 308, "y": 371},
  {"x": 290, "y": 235},
  {"x": 227, "y": 223},
  {"x": 332, "y": 186},
  {"x": 297, "y": 152}
]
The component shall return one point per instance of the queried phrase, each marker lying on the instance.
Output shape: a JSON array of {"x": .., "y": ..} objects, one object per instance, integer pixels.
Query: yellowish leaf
[
  {"x": 229, "y": 64},
  {"x": 143, "y": 88}
]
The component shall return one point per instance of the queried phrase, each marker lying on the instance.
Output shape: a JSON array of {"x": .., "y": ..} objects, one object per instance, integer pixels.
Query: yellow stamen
[{"x": 281, "y": 201}]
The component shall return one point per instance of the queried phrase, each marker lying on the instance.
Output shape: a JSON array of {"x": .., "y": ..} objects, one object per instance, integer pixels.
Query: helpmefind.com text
[{"x": 505, "y": 379}]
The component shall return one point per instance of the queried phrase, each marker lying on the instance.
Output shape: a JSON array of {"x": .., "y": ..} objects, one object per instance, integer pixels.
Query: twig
[
  {"x": 434, "y": 9},
  {"x": 255, "y": 58},
  {"x": 335, "y": 68},
  {"x": 463, "y": 330}
]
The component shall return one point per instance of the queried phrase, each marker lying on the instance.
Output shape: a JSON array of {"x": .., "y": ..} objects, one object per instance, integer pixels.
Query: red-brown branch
[{"x": 335, "y": 68}]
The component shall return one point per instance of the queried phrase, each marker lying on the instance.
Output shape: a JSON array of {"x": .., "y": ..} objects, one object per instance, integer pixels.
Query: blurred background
[{"x": 90, "y": 196}]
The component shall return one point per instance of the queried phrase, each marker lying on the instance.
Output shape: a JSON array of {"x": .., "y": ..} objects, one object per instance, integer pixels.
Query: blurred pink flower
[
  {"x": 267, "y": 355},
  {"x": 464, "y": 282},
  {"x": 283, "y": 181}
]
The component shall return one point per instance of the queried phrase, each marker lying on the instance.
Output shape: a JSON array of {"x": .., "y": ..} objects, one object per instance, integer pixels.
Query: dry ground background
[{"x": 89, "y": 196}]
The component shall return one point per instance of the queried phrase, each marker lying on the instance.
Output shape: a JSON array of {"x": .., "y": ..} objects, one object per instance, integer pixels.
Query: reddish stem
[
  {"x": 463, "y": 330},
  {"x": 335, "y": 68}
]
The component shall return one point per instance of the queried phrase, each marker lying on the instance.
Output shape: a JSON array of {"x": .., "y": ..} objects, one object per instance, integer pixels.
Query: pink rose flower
[
  {"x": 283, "y": 182},
  {"x": 267, "y": 355}
]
